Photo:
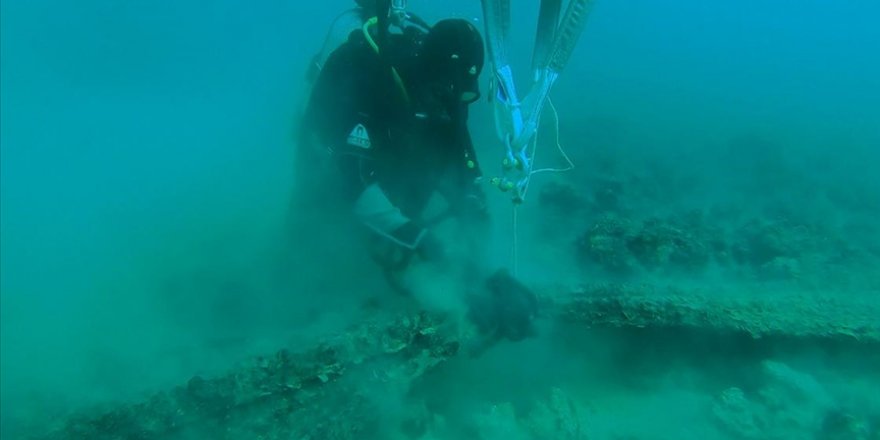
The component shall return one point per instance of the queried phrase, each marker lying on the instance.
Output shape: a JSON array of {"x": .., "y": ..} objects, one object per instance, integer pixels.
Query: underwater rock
[
  {"x": 793, "y": 401},
  {"x": 512, "y": 308},
  {"x": 838, "y": 425},
  {"x": 759, "y": 242},
  {"x": 787, "y": 316},
  {"x": 737, "y": 415},
  {"x": 606, "y": 243},
  {"x": 554, "y": 418},
  {"x": 620, "y": 245},
  {"x": 562, "y": 197},
  {"x": 336, "y": 381},
  {"x": 663, "y": 243},
  {"x": 499, "y": 422},
  {"x": 784, "y": 381},
  {"x": 700, "y": 242},
  {"x": 282, "y": 396},
  {"x": 557, "y": 418},
  {"x": 788, "y": 404}
]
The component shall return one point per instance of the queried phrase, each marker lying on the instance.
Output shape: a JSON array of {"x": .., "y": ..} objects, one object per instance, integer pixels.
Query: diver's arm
[
  {"x": 342, "y": 93},
  {"x": 465, "y": 194},
  {"x": 376, "y": 211}
]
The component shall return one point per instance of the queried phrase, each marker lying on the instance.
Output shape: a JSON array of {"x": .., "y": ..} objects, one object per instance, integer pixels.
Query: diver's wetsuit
[
  {"x": 394, "y": 149},
  {"x": 396, "y": 139}
]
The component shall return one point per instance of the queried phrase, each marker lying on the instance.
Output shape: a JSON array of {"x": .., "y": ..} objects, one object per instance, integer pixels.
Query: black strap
[{"x": 383, "y": 14}]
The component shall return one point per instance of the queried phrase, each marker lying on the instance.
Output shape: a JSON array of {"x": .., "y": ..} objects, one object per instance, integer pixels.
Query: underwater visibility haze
[{"x": 709, "y": 269}]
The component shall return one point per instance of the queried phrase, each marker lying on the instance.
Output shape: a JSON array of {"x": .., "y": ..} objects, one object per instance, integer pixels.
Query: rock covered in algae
[
  {"x": 557, "y": 417},
  {"x": 737, "y": 415},
  {"x": 768, "y": 315},
  {"x": 606, "y": 243},
  {"x": 313, "y": 394},
  {"x": 788, "y": 405},
  {"x": 621, "y": 245},
  {"x": 330, "y": 391},
  {"x": 701, "y": 242}
]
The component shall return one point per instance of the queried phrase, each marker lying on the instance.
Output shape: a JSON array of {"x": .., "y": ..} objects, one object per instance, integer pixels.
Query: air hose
[{"x": 394, "y": 73}]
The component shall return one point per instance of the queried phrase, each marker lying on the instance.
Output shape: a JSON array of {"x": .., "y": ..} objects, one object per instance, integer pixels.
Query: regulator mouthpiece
[{"x": 398, "y": 11}]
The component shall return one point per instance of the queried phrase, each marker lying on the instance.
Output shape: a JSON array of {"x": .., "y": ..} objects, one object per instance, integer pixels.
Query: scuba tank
[
  {"x": 362, "y": 18},
  {"x": 343, "y": 25},
  {"x": 388, "y": 14}
]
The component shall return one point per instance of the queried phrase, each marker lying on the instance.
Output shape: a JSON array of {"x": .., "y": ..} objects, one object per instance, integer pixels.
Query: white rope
[
  {"x": 558, "y": 147},
  {"x": 515, "y": 244},
  {"x": 532, "y": 173}
]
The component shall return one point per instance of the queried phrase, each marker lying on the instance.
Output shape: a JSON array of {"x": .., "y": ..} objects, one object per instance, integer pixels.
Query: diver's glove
[
  {"x": 473, "y": 205},
  {"x": 421, "y": 241}
]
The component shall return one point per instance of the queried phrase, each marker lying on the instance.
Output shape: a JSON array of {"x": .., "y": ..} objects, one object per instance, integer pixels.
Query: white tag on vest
[{"x": 359, "y": 137}]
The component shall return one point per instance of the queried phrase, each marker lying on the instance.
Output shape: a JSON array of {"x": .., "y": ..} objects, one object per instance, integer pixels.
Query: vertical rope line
[{"x": 515, "y": 251}]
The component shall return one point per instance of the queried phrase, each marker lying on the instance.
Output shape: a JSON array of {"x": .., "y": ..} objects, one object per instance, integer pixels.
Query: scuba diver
[{"x": 388, "y": 111}]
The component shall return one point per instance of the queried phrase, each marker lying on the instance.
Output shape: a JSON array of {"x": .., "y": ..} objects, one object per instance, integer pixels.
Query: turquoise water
[{"x": 722, "y": 147}]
